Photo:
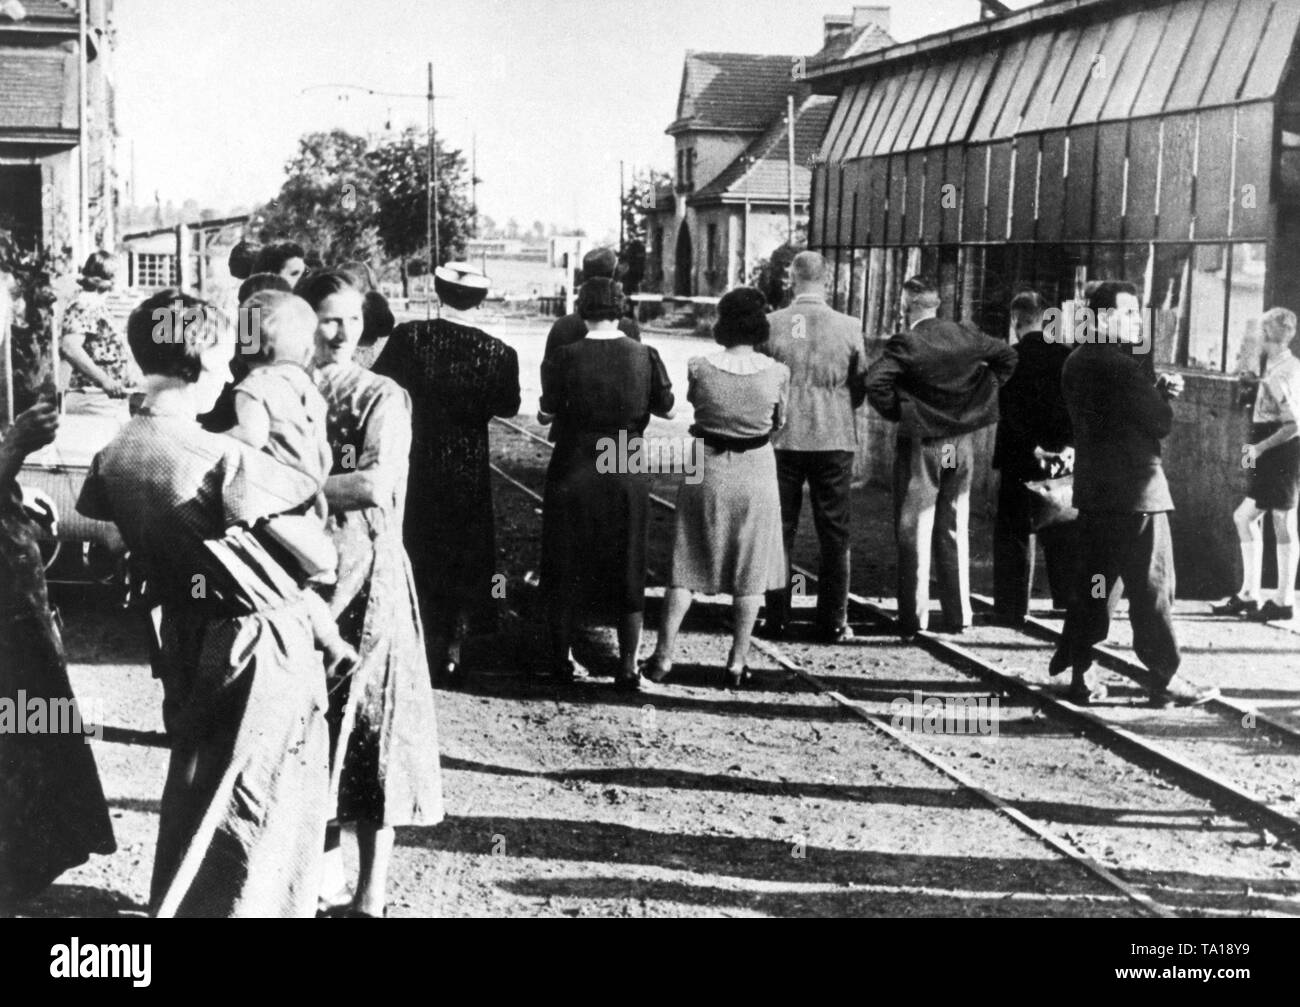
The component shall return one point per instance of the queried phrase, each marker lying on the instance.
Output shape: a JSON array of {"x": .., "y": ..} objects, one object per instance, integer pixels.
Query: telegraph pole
[
  {"x": 430, "y": 201},
  {"x": 789, "y": 168}
]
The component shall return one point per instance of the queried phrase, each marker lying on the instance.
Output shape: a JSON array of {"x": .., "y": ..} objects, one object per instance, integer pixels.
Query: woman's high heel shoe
[
  {"x": 734, "y": 678},
  {"x": 655, "y": 670}
]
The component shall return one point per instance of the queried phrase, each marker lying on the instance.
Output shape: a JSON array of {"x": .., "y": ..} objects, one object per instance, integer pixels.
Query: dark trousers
[
  {"x": 932, "y": 479},
  {"x": 829, "y": 475},
  {"x": 1014, "y": 548},
  {"x": 1139, "y": 549}
]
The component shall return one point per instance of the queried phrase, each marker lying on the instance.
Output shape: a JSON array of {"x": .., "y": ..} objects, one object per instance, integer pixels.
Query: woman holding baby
[{"x": 246, "y": 800}]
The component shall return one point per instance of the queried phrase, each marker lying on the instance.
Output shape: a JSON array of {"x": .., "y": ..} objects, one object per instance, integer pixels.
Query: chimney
[
  {"x": 836, "y": 26},
  {"x": 877, "y": 15}
]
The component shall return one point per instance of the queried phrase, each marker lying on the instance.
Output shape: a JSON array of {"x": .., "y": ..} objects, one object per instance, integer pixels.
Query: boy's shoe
[
  {"x": 1237, "y": 606},
  {"x": 1271, "y": 611},
  {"x": 1180, "y": 692}
]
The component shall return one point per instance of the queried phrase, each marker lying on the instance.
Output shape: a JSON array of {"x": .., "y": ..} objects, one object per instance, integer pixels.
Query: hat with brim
[{"x": 462, "y": 274}]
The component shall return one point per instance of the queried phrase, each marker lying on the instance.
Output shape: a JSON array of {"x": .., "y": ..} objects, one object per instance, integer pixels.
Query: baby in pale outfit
[{"x": 280, "y": 412}]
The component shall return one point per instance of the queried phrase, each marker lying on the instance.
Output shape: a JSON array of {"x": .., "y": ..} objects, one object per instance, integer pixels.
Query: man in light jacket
[{"x": 826, "y": 356}]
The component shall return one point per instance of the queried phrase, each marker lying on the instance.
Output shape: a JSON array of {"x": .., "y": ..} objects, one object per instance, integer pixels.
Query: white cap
[{"x": 462, "y": 274}]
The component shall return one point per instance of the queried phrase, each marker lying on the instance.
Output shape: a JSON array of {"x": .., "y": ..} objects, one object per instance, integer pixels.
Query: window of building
[
  {"x": 685, "y": 169},
  {"x": 1245, "y": 305},
  {"x": 711, "y": 250},
  {"x": 155, "y": 270}
]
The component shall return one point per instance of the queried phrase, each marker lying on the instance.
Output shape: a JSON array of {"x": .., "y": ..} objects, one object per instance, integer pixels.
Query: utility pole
[
  {"x": 430, "y": 200},
  {"x": 621, "y": 236},
  {"x": 789, "y": 167}
]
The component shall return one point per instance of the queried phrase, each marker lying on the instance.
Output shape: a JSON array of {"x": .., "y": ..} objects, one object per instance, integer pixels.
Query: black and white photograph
[{"x": 596, "y": 459}]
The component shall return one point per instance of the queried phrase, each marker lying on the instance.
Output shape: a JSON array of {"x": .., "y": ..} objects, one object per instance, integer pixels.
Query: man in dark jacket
[
  {"x": 939, "y": 382},
  {"x": 1034, "y": 441},
  {"x": 1119, "y": 418}
]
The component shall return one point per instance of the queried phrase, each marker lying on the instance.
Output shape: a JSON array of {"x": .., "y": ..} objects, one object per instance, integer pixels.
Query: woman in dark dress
[
  {"x": 52, "y": 810},
  {"x": 390, "y": 773},
  {"x": 458, "y": 377},
  {"x": 604, "y": 388}
]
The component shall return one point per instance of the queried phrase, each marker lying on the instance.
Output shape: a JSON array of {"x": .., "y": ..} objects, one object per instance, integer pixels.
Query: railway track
[{"x": 1131, "y": 745}]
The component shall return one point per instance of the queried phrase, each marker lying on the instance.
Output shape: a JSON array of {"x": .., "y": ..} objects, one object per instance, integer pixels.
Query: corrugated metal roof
[
  {"x": 37, "y": 89},
  {"x": 1107, "y": 64}
]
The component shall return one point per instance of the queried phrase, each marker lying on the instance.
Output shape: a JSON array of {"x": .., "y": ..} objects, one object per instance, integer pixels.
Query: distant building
[
  {"x": 728, "y": 204},
  {"x": 58, "y": 183}
]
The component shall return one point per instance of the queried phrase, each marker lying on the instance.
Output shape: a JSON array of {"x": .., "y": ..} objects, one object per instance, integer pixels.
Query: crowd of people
[{"x": 304, "y": 489}]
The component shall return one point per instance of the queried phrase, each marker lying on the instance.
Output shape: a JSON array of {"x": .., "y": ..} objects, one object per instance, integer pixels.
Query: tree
[
  {"x": 400, "y": 174},
  {"x": 326, "y": 203},
  {"x": 639, "y": 201},
  {"x": 349, "y": 200}
]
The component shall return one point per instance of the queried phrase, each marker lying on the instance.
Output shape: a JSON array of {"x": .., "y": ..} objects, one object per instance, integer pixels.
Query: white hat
[{"x": 462, "y": 274}]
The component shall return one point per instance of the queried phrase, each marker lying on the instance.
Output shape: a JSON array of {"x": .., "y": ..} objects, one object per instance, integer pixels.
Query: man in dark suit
[
  {"x": 1119, "y": 418},
  {"x": 1034, "y": 440},
  {"x": 939, "y": 382}
]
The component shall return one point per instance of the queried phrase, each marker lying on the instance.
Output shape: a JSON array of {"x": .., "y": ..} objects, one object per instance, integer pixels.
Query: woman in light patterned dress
[
  {"x": 92, "y": 342},
  {"x": 390, "y": 772},
  {"x": 728, "y": 524}
]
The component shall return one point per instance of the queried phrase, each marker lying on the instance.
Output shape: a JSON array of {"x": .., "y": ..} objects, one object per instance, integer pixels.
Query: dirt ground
[{"x": 691, "y": 800}]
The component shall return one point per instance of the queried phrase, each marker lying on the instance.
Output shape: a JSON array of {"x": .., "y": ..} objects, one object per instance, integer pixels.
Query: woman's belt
[{"x": 720, "y": 442}]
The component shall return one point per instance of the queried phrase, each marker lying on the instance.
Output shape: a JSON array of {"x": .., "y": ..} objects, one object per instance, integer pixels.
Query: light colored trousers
[{"x": 932, "y": 479}]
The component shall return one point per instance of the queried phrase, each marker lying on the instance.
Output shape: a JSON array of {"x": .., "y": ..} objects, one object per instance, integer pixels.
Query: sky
[{"x": 212, "y": 96}]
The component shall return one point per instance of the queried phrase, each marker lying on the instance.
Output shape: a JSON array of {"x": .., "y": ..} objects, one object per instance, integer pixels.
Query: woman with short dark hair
[
  {"x": 605, "y": 388},
  {"x": 728, "y": 523},
  {"x": 92, "y": 342},
  {"x": 244, "y": 807},
  {"x": 285, "y": 258}
]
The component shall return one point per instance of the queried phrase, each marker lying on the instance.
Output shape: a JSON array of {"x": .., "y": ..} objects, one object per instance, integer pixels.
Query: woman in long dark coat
[
  {"x": 390, "y": 773},
  {"x": 604, "y": 388},
  {"x": 52, "y": 810},
  {"x": 242, "y": 820},
  {"x": 459, "y": 377}
]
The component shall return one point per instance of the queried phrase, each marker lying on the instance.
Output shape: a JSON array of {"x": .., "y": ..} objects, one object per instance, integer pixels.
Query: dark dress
[
  {"x": 241, "y": 825},
  {"x": 458, "y": 379},
  {"x": 391, "y": 775},
  {"x": 593, "y": 522},
  {"x": 52, "y": 810}
]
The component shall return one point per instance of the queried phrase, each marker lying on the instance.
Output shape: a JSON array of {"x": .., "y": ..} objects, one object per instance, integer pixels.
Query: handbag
[{"x": 1051, "y": 502}]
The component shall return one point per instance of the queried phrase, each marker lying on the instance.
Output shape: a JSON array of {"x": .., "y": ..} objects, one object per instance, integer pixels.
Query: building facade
[
  {"x": 58, "y": 178},
  {"x": 1146, "y": 140},
  {"x": 736, "y": 193}
]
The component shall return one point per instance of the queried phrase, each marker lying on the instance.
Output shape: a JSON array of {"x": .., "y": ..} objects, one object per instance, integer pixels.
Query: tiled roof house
[{"x": 729, "y": 201}]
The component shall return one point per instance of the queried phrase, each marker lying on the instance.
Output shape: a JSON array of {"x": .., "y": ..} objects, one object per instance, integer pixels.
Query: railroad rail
[{"x": 1127, "y": 744}]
